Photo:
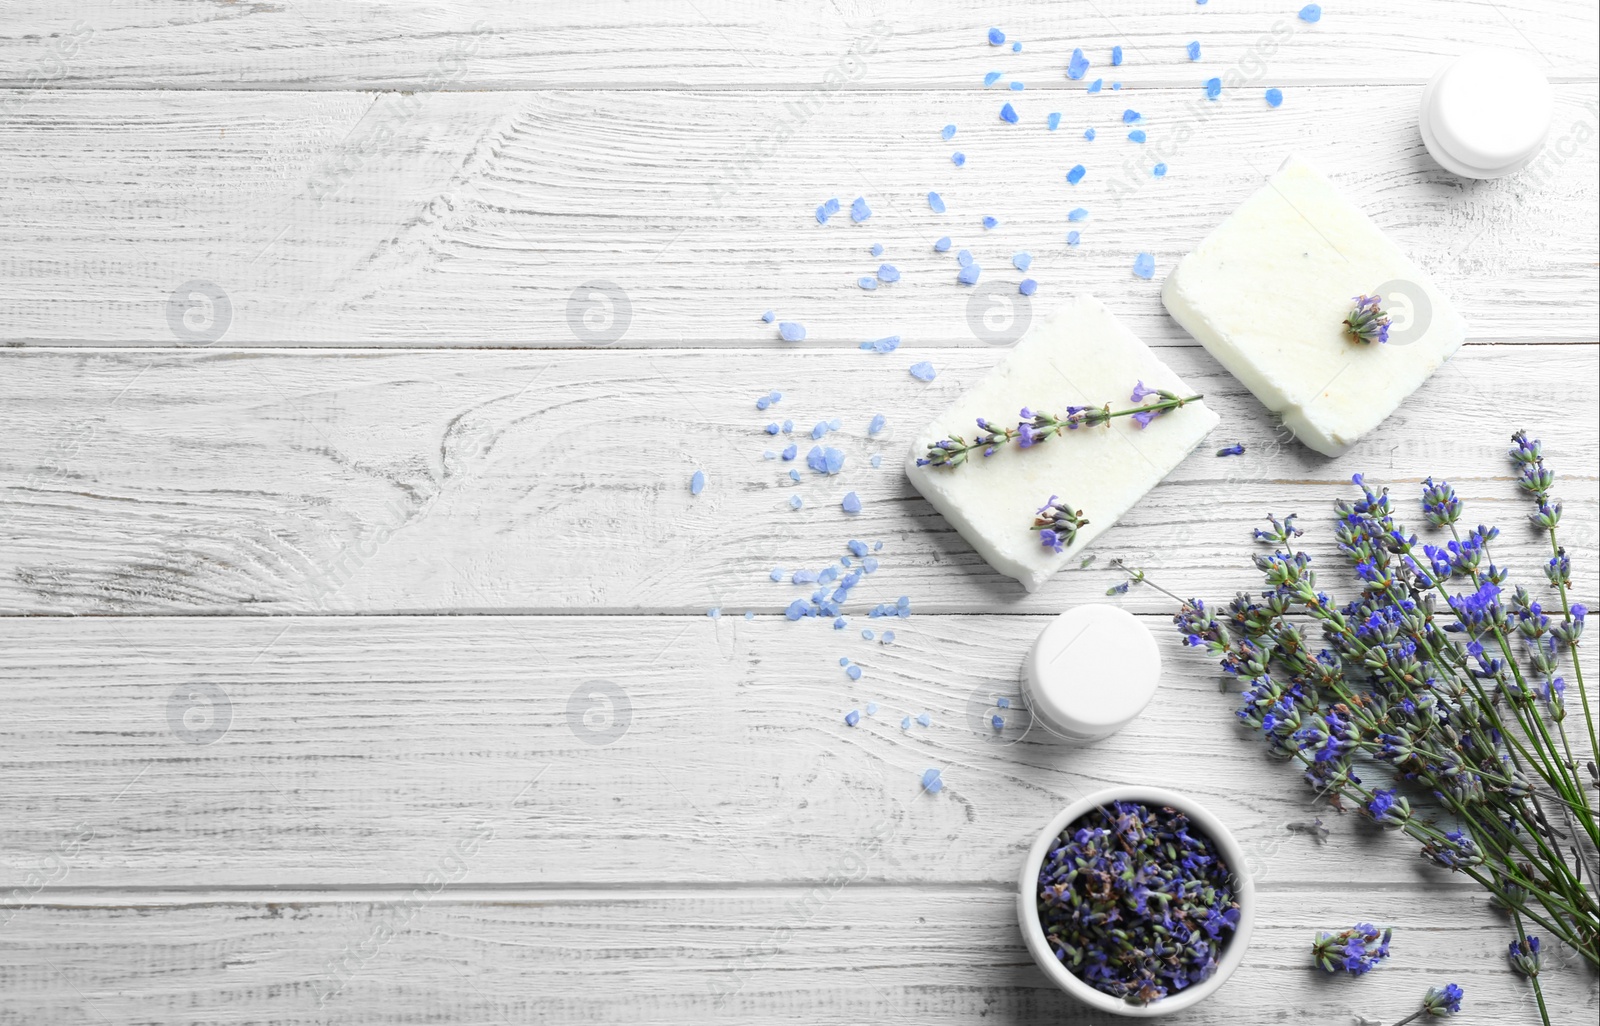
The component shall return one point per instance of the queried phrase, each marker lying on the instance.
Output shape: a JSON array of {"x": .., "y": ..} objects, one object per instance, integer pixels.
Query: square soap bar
[
  {"x": 1267, "y": 293},
  {"x": 1082, "y": 356}
]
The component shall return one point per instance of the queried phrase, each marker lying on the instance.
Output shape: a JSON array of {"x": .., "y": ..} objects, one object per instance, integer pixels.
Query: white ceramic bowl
[{"x": 1033, "y": 933}]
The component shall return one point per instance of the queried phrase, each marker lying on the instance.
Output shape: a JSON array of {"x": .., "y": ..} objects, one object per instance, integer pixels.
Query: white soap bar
[
  {"x": 1091, "y": 670},
  {"x": 1268, "y": 291},
  {"x": 1082, "y": 356}
]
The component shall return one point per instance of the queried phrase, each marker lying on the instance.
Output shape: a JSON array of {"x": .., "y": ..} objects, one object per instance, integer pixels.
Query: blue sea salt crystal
[
  {"x": 923, "y": 719},
  {"x": 873, "y": 427},
  {"x": 1194, "y": 51},
  {"x": 1027, "y": 286},
  {"x": 820, "y": 430},
  {"x": 935, "y": 203},
  {"x": 814, "y": 459},
  {"x": 1017, "y": 87},
  {"x": 968, "y": 275},
  {"x": 1077, "y": 214},
  {"x": 834, "y": 424},
  {"x": 1076, "y": 174},
  {"x": 1130, "y": 116},
  {"x": 1213, "y": 88},
  {"x": 827, "y": 210},
  {"x": 822, "y": 215},
  {"x": 844, "y": 660},
  {"x": 876, "y": 461},
  {"x": 887, "y": 344},
  {"x": 942, "y": 244},
  {"x": 790, "y": 451},
  {"x": 788, "y": 426},
  {"x": 888, "y": 273},
  {"x": 887, "y": 639},
  {"x": 851, "y": 718},
  {"x": 714, "y": 612},
  {"x": 958, "y": 158},
  {"x": 805, "y": 577},
  {"x": 795, "y": 502},
  {"x": 777, "y": 573},
  {"x": 1077, "y": 65},
  {"x": 832, "y": 460},
  {"x": 1016, "y": 47},
  {"x": 1274, "y": 97},
  {"x": 867, "y": 283},
  {"x": 1088, "y": 133},
  {"x": 749, "y": 614},
  {"x": 859, "y": 211},
  {"x": 996, "y": 37},
  {"x": 791, "y": 331},
  {"x": 774, "y": 396},
  {"x": 857, "y": 547},
  {"x": 851, "y": 503},
  {"x": 797, "y": 609},
  {"x": 1022, "y": 261},
  {"x": 1003, "y": 702},
  {"x": 905, "y": 724},
  {"x": 1072, "y": 238},
  {"x": 876, "y": 546},
  {"x": 998, "y": 722},
  {"x": 794, "y": 475},
  {"x": 1144, "y": 265},
  {"x": 1116, "y": 85},
  {"x": 867, "y": 634},
  {"x": 769, "y": 455},
  {"x": 697, "y": 483},
  {"x": 1094, "y": 87},
  {"x": 990, "y": 222},
  {"x": 869, "y": 564},
  {"x": 990, "y": 79},
  {"x": 872, "y": 708},
  {"x": 1116, "y": 56},
  {"x": 840, "y": 623},
  {"x": 931, "y": 782},
  {"x": 1160, "y": 170},
  {"x": 853, "y": 672},
  {"x": 1008, "y": 114},
  {"x": 768, "y": 316},
  {"x": 771, "y": 429},
  {"x": 763, "y": 403},
  {"x": 947, "y": 132},
  {"x": 1137, "y": 135},
  {"x": 877, "y": 249},
  {"x": 963, "y": 258},
  {"x": 1311, "y": 14},
  {"x": 923, "y": 371},
  {"x": 1053, "y": 121}
]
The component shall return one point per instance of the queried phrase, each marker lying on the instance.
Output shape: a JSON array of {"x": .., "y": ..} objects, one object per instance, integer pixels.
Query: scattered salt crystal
[
  {"x": 856, "y": 547},
  {"x": 851, "y": 503},
  {"x": 958, "y": 158},
  {"x": 763, "y": 403},
  {"x": 797, "y": 608},
  {"x": 969, "y": 274},
  {"x": 887, "y": 344},
  {"x": 820, "y": 430},
  {"x": 1311, "y": 14},
  {"x": 859, "y": 211},
  {"x": 839, "y": 623},
  {"x": 947, "y": 132},
  {"x": 1077, "y": 65},
  {"x": 869, "y": 563},
  {"x": 1016, "y": 47},
  {"x": 888, "y": 638},
  {"x": 935, "y": 203},
  {"x": 844, "y": 660},
  {"x": 1094, "y": 87},
  {"x": 1160, "y": 170},
  {"x": 963, "y": 258},
  {"x": 876, "y": 461},
  {"x": 872, "y": 708},
  {"x": 905, "y": 724},
  {"x": 1274, "y": 97},
  {"x": 788, "y": 426},
  {"x": 790, "y": 451},
  {"x": 1022, "y": 261},
  {"x": 1194, "y": 51},
  {"x": 792, "y": 331},
  {"x": 990, "y": 222},
  {"x": 867, "y": 283},
  {"x": 1137, "y": 135},
  {"x": 931, "y": 782},
  {"x": 749, "y": 614},
  {"x": 853, "y": 672},
  {"x": 923, "y": 370},
  {"x": 1116, "y": 56},
  {"x": 1088, "y": 133},
  {"x": 990, "y": 79},
  {"x": 768, "y": 316},
  {"x": 1072, "y": 238},
  {"x": 1130, "y": 116},
  {"x": 1076, "y": 174},
  {"x": 998, "y": 722},
  {"x": 873, "y": 427},
  {"x": 1077, "y": 214},
  {"x": 697, "y": 483},
  {"x": 867, "y": 633},
  {"x": 1003, "y": 702},
  {"x": 1008, "y": 114},
  {"x": 795, "y": 502},
  {"x": 851, "y": 718},
  {"x": 923, "y": 719},
  {"x": 834, "y": 424},
  {"x": 769, "y": 455},
  {"x": 996, "y": 37},
  {"x": 777, "y": 573},
  {"x": 1144, "y": 265},
  {"x": 1027, "y": 286},
  {"x": 1213, "y": 88},
  {"x": 794, "y": 475},
  {"x": 942, "y": 244},
  {"x": 888, "y": 273},
  {"x": 1053, "y": 121},
  {"x": 771, "y": 429},
  {"x": 1017, "y": 87}
]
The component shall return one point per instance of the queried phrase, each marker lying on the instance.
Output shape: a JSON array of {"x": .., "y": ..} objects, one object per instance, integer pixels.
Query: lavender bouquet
[{"x": 1446, "y": 684}]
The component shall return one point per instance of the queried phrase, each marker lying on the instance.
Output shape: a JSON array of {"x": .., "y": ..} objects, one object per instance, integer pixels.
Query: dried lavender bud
[
  {"x": 1135, "y": 902},
  {"x": 1367, "y": 321}
]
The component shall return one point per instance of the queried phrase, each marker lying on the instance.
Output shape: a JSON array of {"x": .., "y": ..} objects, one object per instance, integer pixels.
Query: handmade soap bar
[
  {"x": 1269, "y": 290},
  {"x": 1082, "y": 356}
]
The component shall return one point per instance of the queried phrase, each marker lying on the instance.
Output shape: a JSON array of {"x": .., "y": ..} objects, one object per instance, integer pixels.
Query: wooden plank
[
  {"x": 335, "y": 751},
  {"x": 503, "y": 44},
  {"x": 840, "y": 955},
  {"x": 369, "y": 482},
  {"x": 483, "y": 219}
]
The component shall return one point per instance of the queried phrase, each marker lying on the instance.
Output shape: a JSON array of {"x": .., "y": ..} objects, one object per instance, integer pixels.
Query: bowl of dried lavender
[{"x": 1135, "y": 901}]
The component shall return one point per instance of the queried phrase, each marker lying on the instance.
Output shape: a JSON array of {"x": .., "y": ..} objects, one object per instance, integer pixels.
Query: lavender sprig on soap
[
  {"x": 1367, "y": 321},
  {"x": 1057, "y": 524},
  {"x": 1036, "y": 428}
]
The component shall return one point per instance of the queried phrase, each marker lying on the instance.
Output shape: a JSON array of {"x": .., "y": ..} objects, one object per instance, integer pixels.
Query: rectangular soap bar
[
  {"x": 1267, "y": 294},
  {"x": 1081, "y": 356}
]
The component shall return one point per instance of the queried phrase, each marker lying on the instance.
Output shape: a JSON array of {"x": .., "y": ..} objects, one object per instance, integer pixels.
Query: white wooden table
[{"x": 356, "y": 662}]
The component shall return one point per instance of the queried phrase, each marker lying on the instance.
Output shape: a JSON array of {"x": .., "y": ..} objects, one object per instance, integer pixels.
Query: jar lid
[
  {"x": 1486, "y": 113},
  {"x": 1093, "y": 669}
]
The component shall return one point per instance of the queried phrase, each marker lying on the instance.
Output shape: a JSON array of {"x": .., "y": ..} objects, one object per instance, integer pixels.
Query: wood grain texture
[
  {"x": 837, "y": 956},
  {"x": 478, "y": 219},
  {"x": 501, "y": 44},
  {"x": 604, "y": 751},
  {"x": 309, "y": 481}
]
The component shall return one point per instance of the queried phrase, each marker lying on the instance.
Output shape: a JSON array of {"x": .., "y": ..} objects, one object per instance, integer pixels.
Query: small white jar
[
  {"x": 1091, "y": 670},
  {"x": 1486, "y": 114}
]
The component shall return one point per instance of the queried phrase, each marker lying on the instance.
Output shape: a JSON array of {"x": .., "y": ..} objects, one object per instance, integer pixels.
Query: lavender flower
[
  {"x": 1356, "y": 951},
  {"x": 1367, "y": 321},
  {"x": 1036, "y": 428},
  {"x": 1236, "y": 449},
  {"x": 1442, "y": 1001},
  {"x": 1135, "y": 902},
  {"x": 1057, "y": 524},
  {"x": 1524, "y": 956}
]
